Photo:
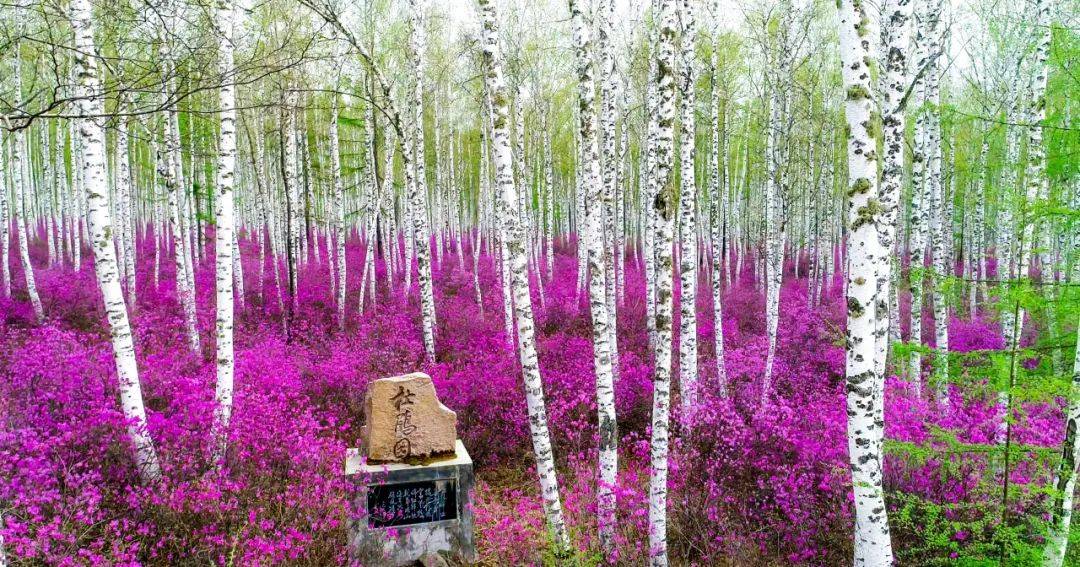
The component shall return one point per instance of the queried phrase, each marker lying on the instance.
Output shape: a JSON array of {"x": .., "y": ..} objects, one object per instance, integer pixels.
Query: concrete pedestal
[{"x": 400, "y": 512}]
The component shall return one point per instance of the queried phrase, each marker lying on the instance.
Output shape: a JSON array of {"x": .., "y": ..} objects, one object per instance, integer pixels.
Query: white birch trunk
[
  {"x": 419, "y": 195},
  {"x": 373, "y": 210},
  {"x": 1065, "y": 476},
  {"x": 224, "y": 16},
  {"x": 719, "y": 191},
  {"x": 775, "y": 193},
  {"x": 5, "y": 220},
  {"x": 167, "y": 166},
  {"x": 339, "y": 215},
  {"x": 941, "y": 267},
  {"x": 933, "y": 194},
  {"x": 664, "y": 203},
  {"x": 389, "y": 245},
  {"x": 549, "y": 205},
  {"x": 46, "y": 189},
  {"x": 920, "y": 195},
  {"x": 188, "y": 257},
  {"x": 1035, "y": 179},
  {"x": 125, "y": 197},
  {"x": 238, "y": 268},
  {"x": 292, "y": 195},
  {"x": 79, "y": 193},
  {"x": 19, "y": 178},
  {"x": 534, "y": 389},
  {"x": 92, "y": 137},
  {"x": 896, "y": 28},
  {"x": 170, "y": 167},
  {"x": 866, "y": 270},
  {"x": 609, "y": 177},
  {"x": 651, "y": 189},
  {"x": 598, "y": 299},
  {"x": 688, "y": 249}
]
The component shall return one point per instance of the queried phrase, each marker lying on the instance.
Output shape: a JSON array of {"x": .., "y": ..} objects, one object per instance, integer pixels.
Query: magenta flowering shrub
[
  {"x": 777, "y": 467},
  {"x": 750, "y": 482},
  {"x": 74, "y": 497}
]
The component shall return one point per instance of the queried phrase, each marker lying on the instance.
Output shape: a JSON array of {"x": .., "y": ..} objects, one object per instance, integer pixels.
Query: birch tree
[
  {"x": 775, "y": 187},
  {"x": 5, "y": 220},
  {"x": 1065, "y": 476},
  {"x": 224, "y": 21},
  {"x": 925, "y": 179},
  {"x": 720, "y": 190},
  {"x": 419, "y": 195},
  {"x": 609, "y": 171},
  {"x": 895, "y": 28},
  {"x": 935, "y": 191},
  {"x": 688, "y": 250},
  {"x": 170, "y": 167},
  {"x": 340, "y": 234},
  {"x": 518, "y": 264},
  {"x": 292, "y": 193},
  {"x": 92, "y": 144},
  {"x": 664, "y": 203},
  {"x": 123, "y": 192},
  {"x": 598, "y": 301},
  {"x": 866, "y": 272},
  {"x": 19, "y": 179}
]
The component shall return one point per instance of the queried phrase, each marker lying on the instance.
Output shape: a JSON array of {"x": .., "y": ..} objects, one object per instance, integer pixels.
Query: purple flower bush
[{"x": 750, "y": 483}]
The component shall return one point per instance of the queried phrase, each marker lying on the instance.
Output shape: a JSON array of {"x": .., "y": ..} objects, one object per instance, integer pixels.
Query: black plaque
[{"x": 409, "y": 503}]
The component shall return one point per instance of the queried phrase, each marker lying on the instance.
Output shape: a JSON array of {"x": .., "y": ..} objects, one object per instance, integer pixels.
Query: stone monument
[
  {"x": 405, "y": 421},
  {"x": 412, "y": 478}
]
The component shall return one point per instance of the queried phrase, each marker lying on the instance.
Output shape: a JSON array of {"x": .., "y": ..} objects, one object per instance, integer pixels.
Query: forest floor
[{"x": 751, "y": 483}]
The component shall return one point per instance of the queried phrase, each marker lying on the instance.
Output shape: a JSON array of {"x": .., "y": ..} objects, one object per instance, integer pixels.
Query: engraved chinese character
[{"x": 403, "y": 397}]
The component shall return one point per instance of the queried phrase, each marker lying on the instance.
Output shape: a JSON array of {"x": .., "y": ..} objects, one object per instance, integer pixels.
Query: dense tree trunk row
[{"x": 459, "y": 178}]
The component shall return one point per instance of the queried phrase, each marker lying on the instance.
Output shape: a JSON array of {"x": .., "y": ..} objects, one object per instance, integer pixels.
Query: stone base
[{"x": 400, "y": 512}]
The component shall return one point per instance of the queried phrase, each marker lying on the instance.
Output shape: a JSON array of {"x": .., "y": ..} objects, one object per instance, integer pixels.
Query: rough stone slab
[
  {"x": 405, "y": 420},
  {"x": 393, "y": 546}
]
